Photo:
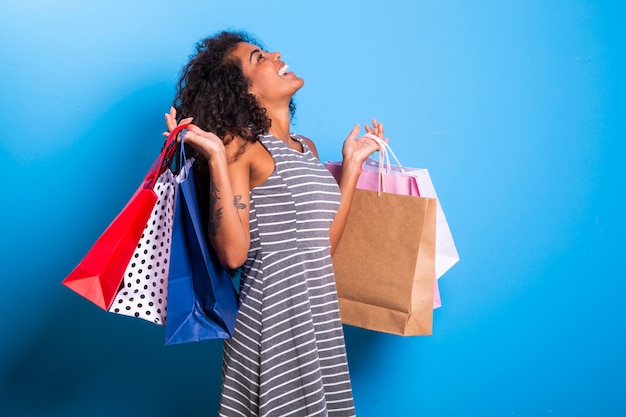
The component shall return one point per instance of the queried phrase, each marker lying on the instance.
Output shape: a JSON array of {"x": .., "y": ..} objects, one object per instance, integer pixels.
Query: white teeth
[{"x": 283, "y": 70}]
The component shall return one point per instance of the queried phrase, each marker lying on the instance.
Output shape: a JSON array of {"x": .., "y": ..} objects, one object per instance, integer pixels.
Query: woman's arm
[
  {"x": 355, "y": 152},
  {"x": 229, "y": 194},
  {"x": 229, "y": 205}
]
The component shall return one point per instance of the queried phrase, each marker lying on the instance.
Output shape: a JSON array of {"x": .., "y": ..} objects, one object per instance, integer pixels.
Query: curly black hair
[{"x": 214, "y": 91}]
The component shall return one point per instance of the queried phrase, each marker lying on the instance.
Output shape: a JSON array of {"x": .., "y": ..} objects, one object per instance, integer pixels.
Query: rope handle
[
  {"x": 384, "y": 161},
  {"x": 384, "y": 148},
  {"x": 182, "y": 161}
]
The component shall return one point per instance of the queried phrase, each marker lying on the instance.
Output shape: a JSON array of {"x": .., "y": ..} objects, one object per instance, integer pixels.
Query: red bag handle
[{"x": 164, "y": 158}]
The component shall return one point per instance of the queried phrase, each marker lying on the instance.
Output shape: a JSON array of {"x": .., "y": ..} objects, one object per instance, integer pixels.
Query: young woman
[{"x": 274, "y": 211}]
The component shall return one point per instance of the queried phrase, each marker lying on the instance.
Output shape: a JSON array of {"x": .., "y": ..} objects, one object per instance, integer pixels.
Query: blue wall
[{"x": 516, "y": 108}]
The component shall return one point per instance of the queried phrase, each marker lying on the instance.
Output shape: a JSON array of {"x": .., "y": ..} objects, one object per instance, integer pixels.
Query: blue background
[{"x": 515, "y": 107}]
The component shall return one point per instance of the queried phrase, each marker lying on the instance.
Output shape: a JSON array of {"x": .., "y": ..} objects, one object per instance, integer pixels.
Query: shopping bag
[
  {"x": 143, "y": 293},
  {"x": 383, "y": 176},
  {"x": 446, "y": 252},
  {"x": 385, "y": 263},
  {"x": 99, "y": 274},
  {"x": 202, "y": 301},
  {"x": 373, "y": 180}
]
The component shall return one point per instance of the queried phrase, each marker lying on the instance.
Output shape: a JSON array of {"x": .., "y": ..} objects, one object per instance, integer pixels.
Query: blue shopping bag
[{"x": 202, "y": 302}]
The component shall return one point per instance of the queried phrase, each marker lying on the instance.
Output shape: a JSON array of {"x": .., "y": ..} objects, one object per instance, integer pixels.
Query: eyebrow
[{"x": 256, "y": 51}]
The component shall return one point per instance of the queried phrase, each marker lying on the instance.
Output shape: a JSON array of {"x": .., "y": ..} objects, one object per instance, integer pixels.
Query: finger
[
  {"x": 192, "y": 136},
  {"x": 376, "y": 129},
  {"x": 171, "y": 124},
  {"x": 198, "y": 133},
  {"x": 368, "y": 129},
  {"x": 381, "y": 130},
  {"x": 186, "y": 121},
  {"x": 195, "y": 129},
  {"x": 354, "y": 132}
]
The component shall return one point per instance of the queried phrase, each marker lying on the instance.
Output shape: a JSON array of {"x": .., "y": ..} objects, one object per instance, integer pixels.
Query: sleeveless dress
[{"x": 287, "y": 356}]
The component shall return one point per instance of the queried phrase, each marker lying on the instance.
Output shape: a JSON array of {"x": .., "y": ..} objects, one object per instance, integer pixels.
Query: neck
[{"x": 281, "y": 123}]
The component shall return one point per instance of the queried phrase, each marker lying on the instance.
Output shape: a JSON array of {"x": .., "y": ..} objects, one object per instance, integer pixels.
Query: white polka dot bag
[
  {"x": 99, "y": 276},
  {"x": 143, "y": 292}
]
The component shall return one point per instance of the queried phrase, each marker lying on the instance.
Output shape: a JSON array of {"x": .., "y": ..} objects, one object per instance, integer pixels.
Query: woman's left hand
[{"x": 357, "y": 150}]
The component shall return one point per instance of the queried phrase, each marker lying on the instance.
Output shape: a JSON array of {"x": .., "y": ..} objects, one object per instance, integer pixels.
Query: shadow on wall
[
  {"x": 82, "y": 361},
  {"x": 75, "y": 359}
]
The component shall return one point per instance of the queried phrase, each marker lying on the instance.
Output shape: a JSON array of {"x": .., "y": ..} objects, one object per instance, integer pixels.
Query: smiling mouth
[{"x": 283, "y": 70}]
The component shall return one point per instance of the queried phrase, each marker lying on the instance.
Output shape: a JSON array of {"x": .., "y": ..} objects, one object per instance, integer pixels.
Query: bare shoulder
[{"x": 249, "y": 158}]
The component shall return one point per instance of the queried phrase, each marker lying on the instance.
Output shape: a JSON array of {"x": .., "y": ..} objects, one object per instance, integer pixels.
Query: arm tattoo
[
  {"x": 238, "y": 204},
  {"x": 216, "y": 213}
]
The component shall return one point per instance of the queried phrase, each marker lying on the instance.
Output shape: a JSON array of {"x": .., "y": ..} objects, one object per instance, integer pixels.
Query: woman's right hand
[{"x": 207, "y": 143}]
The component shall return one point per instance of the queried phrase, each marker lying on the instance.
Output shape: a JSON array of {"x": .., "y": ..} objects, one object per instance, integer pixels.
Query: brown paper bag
[{"x": 385, "y": 263}]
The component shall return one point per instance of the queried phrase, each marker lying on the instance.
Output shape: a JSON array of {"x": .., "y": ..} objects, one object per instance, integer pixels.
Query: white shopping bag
[{"x": 447, "y": 254}]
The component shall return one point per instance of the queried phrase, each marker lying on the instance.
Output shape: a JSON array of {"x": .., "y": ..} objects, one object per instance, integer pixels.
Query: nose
[{"x": 276, "y": 56}]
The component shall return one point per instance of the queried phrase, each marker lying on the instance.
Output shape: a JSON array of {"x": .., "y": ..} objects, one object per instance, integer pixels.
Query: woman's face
[{"x": 270, "y": 82}]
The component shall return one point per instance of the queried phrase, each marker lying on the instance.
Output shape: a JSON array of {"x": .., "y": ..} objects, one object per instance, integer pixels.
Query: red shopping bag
[{"x": 99, "y": 274}]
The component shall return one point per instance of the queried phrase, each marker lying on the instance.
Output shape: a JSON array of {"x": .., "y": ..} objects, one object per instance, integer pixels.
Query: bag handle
[
  {"x": 165, "y": 157},
  {"x": 384, "y": 161},
  {"x": 182, "y": 156},
  {"x": 384, "y": 148}
]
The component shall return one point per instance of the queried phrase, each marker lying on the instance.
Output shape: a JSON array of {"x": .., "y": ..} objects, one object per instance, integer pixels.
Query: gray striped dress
[{"x": 287, "y": 356}]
